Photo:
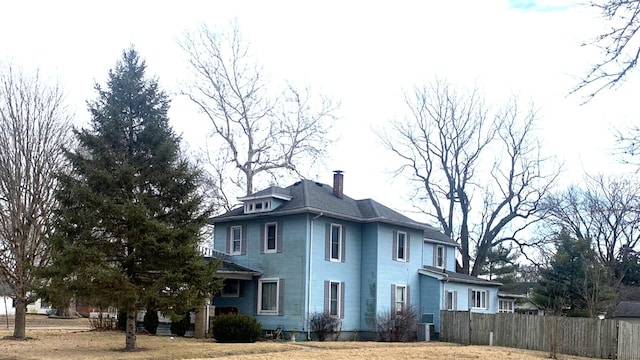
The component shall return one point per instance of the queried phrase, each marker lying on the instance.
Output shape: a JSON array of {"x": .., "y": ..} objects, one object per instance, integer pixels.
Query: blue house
[{"x": 289, "y": 253}]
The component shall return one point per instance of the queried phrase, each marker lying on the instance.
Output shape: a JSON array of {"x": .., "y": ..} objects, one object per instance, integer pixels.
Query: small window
[
  {"x": 336, "y": 242},
  {"x": 452, "y": 300},
  {"x": 270, "y": 237},
  {"x": 268, "y": 299},
  {"x": 400, "y": 299},
  {"x": 231, "y": 288},
  {"x": 334, "y": 298},
  {"x": 402, "y": 246},
  {"x": 440, "y": 257},
  {"x": 236, "y": 240},
  {"x": 505, "y": 306},
  {"x": 479, "y": 299}
]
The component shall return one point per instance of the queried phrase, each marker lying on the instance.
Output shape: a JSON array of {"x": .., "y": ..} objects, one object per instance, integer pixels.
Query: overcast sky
[{"x": 361, "y": 53}]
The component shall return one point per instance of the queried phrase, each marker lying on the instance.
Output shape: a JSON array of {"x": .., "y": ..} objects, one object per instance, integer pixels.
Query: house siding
[
  {"x": 347, "y": 271},
  {"x": 430, "y": 299},
  {"x": 369, "y": 269}
]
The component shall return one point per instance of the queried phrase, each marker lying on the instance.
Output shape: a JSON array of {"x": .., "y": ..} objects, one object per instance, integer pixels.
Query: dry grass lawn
[{"x": 57, "y": 342}]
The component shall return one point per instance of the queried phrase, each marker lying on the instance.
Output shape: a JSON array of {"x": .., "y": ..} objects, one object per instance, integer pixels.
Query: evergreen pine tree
[{"x": 130, "y": 212}]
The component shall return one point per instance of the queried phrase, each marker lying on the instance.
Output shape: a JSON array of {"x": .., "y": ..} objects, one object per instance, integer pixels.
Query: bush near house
[
  {"x": 324, "y": 324},
  {"x": 236, "y": 329},
  {"x": 392, "y": 326}
]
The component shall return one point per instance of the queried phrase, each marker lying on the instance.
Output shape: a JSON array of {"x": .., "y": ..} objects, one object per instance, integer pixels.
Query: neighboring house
[
  {"x": 507, "y": 301},
  {"x": 292, "y": 252},
  {"x": 627, "y": 310}
]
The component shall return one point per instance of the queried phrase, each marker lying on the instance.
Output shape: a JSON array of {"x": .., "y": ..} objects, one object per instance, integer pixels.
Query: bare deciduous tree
[
  {"x": 263, "y": 130},
  {"x": 481, "y": 174},
  {"x": 34, "y": 127},
  {"x": 620, "y": 45},
  {"x": 606, "y": 212}
]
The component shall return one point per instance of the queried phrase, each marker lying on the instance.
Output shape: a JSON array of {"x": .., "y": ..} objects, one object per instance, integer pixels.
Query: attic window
[{"x": 257, "y": 206}]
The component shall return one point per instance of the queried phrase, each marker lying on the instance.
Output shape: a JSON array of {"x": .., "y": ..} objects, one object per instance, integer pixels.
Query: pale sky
[{"x": 361, "y": 53}]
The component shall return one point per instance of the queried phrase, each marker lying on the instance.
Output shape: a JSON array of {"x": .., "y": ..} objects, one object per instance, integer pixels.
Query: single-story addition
[
  {"x": 628, "y": 311},
  {"x": 293, "y": 252}
]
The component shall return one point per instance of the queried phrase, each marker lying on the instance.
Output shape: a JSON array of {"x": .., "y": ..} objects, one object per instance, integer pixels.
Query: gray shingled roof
[
  {"x": 457, "y": 277},
  {"x": 627, "y": 309},
  {"x": 317, "y": 198}
]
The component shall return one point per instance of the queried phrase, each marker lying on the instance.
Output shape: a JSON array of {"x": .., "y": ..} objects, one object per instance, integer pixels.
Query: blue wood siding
[{"x": 431, "y": 298}]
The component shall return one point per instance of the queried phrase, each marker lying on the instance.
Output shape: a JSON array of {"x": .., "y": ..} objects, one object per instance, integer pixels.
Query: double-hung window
[
  {"x": 440, "y": 256},
  {"x": 269, "y": 291},
  {"x": 479, "y": 299},
  {"x": 334, "y": 298},
  {"x": 270, "y": 237},
  {"x": 335, "y": 246},
  {"x": 236, "y": 240},
  {"x": 452, "y": 300},
  {"x": 400, "y": 246},
  {"x": 400, "y": 296}
]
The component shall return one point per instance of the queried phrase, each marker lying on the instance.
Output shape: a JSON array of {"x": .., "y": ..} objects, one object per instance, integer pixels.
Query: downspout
[{"x": 309, "y": 263}]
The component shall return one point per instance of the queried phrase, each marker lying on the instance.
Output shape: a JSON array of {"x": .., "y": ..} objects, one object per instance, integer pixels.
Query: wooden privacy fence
[{"x": 607, "y": 339}]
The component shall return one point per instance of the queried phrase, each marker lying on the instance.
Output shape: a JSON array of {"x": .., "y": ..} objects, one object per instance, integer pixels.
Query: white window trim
[
  {"x": 251, "y": 207},
  {"x": 339, "y": 297},
  {"x": 473, "y": 296},
  {"x": 443, "y": 265},
  {"x": 340, "y": 240},
  {"x": 268, "y": 312},
  {"x": 406, "y": 245},
  {"x": 404, "y": 299},
  {"x": 232, "y": 240},
  {"x": 508, "y": 309},
  {"x": 453, "y": 304},
  {"x": 266, "y": 237}
]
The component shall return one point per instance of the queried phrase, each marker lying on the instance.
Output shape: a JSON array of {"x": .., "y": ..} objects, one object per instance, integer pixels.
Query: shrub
[
  {"x": 235, "y": 329},
  {"x": 179, "y": 327},
  {"x": 150, "y": 320},
  {"x": 324, "y": 324},
  {"x": 397, "y": 327}
]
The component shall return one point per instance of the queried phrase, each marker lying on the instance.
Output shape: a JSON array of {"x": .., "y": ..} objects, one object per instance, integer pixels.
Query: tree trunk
[
  {"x": 201, "y": 322},
  {"x": 131, "y": 329},
  {"x": 20, "y": 319}
]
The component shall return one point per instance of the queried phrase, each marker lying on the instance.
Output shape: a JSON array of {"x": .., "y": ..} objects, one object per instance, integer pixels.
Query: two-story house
[{"x": 291, "y": 252}]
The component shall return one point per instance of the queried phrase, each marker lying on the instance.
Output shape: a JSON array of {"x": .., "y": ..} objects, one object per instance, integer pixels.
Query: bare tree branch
[
  {"x": 265, "y": 131},
  {"x": 620, "y": 46},
  {"x": 480, "y": 174},
  {"x": 34, "y": 127}
]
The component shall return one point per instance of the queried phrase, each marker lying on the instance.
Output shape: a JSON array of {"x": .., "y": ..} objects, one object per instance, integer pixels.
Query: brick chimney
[{"x": 338, "y": 183}]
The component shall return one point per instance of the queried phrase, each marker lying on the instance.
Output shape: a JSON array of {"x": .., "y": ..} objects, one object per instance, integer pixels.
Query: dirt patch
[{"x": 64, "y": 344}]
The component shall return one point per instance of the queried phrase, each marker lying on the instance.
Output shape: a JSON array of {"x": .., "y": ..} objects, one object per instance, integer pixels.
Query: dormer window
[{"x": 257, "y": 206}]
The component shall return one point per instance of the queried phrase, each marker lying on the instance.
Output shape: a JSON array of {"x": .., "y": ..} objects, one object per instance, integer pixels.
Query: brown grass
[{"x": 71, "y": 339}]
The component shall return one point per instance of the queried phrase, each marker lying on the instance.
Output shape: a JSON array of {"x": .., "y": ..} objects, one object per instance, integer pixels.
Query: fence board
[
  {"x": 628, "y": 336},
  {"x": 572, "y": 336}
]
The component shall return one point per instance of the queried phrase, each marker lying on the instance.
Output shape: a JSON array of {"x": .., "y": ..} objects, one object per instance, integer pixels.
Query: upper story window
[
  {"x": 400, "y": 246},
  {"x": 257, "y": 206},
  {"x": 270, "y": 237},
  {"x": 236, "y": 240},
  {"x": 336, "y": 242},
  {"x": 478, "y": 299},
  {"x": 440, "y": 257}
]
